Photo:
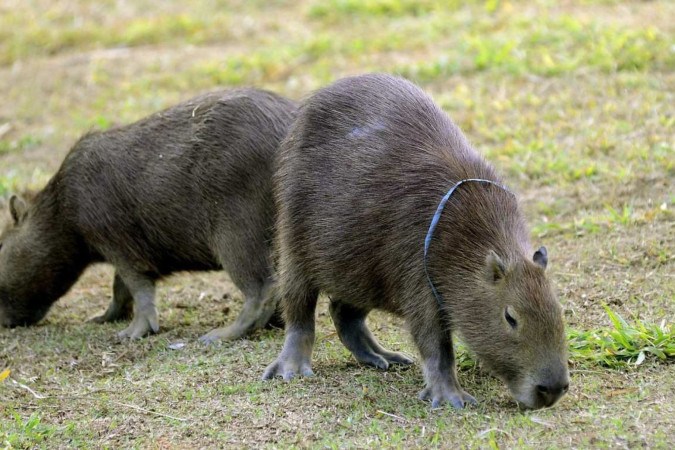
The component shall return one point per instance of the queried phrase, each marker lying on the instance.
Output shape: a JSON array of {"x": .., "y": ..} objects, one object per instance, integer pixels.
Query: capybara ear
[
  {"x": 17, "y": 208},
  {"x": 541, "y": 257},
  {"x": 495, "y": 268}
]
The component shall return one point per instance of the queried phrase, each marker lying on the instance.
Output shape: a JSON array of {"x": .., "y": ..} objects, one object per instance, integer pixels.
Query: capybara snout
[
  {"x": 543, "y": 388},
  {"x": 29, "y": 276},
  {"x": 20, "y": 317}
]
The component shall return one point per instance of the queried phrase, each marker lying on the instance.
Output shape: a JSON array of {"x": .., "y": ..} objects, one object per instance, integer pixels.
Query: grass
[
  {"x": 572, "y": 102},
  {"x": 595, "y": 222},
  {"x": 348, "y": 9},
  {"x": 624, "y": 345},
  {"x": 60, "y": 29},
  {"x": 19, "y": 145},
  {"x": 550, "y": 47}
]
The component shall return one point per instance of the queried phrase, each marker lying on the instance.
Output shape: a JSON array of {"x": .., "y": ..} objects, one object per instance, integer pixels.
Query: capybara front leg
[
  {"x": 296, "y": 354},
  {"x": 259, "y": 306},
  {"x": 438, "y": 358},
  {"x": 122, "y": 305},
  {"x": 145, "y": 319},
  {"x": 295, "y": 357}
]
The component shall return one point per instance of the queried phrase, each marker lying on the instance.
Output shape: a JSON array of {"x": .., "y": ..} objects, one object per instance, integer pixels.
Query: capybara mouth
[
  {"x": 8, "y": 321},
  {"x": 537, "y": 396}
]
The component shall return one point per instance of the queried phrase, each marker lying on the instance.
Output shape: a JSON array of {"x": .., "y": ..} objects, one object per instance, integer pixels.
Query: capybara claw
[
  {"x": 271, "y": 371},
  {"x": 374, "y": 360},
  {"x": 99, "y": 319},
  {"x": 287, "y": 371},
  {"x": 469, "y": 399},
  {"x": 107, "y": 318},
  {"x": 400, "y": 358},
  {"x": 382, "y": 360},
  {"x": 458, "y": 399},
  {"x": 229, "y": 333},
  {"x": 381, "y": 363},
  {"x": 139, "y": 327}
]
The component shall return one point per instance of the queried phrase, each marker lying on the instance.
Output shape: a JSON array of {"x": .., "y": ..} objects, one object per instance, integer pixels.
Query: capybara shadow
[
  {"x": 186, "y": 189},
  {"x": 360, "y": 176}
]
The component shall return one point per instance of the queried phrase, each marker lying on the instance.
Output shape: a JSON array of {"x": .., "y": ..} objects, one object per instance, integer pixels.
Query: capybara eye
[{"x": 510, "y": 319}]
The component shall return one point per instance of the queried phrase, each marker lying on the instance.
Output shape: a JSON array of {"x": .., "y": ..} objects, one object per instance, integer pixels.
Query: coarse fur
[
  {"x": 188, "y": 188},
  {"x": 358, "y": 179}
]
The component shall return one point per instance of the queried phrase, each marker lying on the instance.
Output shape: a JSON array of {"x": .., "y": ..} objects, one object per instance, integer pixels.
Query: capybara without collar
[{"x": 188, "y": 188}]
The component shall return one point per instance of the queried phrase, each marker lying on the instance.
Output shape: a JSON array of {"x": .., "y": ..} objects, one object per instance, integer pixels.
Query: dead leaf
[
  {"x": 540, "y": 421},
  {"x": 177, "y": 345},
  {"x": 615, "y": 392}
]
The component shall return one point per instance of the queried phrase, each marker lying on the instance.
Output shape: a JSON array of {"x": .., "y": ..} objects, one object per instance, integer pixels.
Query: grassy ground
[{"x": 572, "y": 101}]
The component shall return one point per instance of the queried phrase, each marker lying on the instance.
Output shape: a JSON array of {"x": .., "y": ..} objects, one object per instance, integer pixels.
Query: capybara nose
[{"x": 550, "y": 393}]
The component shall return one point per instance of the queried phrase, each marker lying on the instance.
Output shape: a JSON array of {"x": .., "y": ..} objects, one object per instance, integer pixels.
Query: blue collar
[{"x": 434, "y": 222}]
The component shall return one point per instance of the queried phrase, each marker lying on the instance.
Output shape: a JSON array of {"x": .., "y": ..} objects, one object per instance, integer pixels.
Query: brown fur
[
  {"x": 359, "y": 178},
  {"x": 188, "y": 188}
]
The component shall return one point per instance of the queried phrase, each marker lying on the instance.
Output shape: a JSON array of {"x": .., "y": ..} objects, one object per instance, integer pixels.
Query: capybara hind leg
[
  {"x": 435, "y": 346},
  {"x": 259, "y": 306},
  {"x": 122, "y": 305},
  {"x": 296, "y": 354},
  {"x": 145, "y": 319},
  {"x": 350, "y": 323},
  {"x": 277, "y": 320}
]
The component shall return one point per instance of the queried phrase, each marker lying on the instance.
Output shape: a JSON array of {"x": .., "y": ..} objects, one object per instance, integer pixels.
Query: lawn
[{"x": 572, "y": 101}]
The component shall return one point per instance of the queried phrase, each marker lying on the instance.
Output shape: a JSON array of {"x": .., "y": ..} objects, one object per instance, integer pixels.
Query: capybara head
[
  {"x": 518, "y": 332},
  {"x": 28, "y": 282}
]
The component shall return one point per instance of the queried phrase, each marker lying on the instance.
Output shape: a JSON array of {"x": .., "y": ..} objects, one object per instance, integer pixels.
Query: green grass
[
  {"x": 28, "y": 432},
  {"x": 13, "y": 181},
  {"x": 623, "y": 345},
  {"x": 342, "y": 10},
  {"x": 58, "y": 31},
  {"x": 594, "y": 222},
  {"x": 549, "y": 47},
  {"x": 348, "y": 9},
  {"x": 18, "y": 145},
  {"x": 571, "y": 101}
]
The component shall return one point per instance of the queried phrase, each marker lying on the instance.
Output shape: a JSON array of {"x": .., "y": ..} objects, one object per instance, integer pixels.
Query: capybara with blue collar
[{"x": 359, "y": 178}]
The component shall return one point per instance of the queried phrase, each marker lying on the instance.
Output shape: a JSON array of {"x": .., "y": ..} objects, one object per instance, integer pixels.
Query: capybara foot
[
  {"x": 229, "y": 333},
  {"x": 288, "y": 368},
  {"x": 360, "y": 341},
  {"x": 381, "y": 359},
  {"x": 121, "y": 307},
  {"x": 105, "y": 318},
  {"x": 141, "y": 325},
  {"x": 439, "y": 395},
  {"x": 112, "y": 315},
  {"x": 295, "y": 357}
]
